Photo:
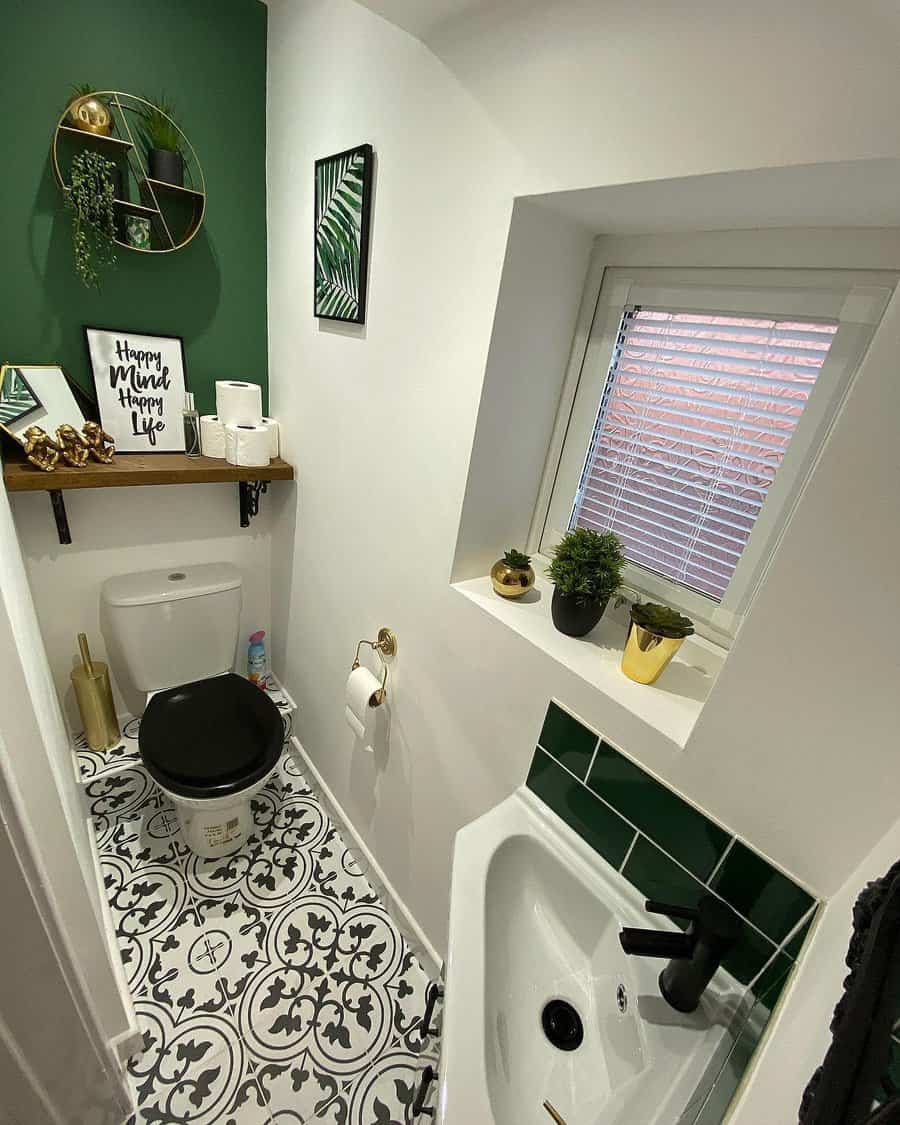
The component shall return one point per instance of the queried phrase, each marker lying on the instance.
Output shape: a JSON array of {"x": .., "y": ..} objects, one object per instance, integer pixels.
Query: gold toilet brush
[{"x": 95, "y": 702}]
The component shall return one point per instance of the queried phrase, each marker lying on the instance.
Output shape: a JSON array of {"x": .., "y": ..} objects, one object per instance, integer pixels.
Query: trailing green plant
[
  {"x": 587, "y": 565},
  {"x": 90, "y": 198},
  {"x": 661, "y": 620},
  {"x": 158, "y": 130},
  {"x": 516, "y": 559}
]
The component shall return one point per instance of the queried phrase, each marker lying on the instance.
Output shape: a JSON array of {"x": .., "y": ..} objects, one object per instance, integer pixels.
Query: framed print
[
  {"x": 343, "y": 205},
  {"x": 38, "y": 395},
  {"x": 16, "y": 395},
  {"x": 139, "y": 382}
]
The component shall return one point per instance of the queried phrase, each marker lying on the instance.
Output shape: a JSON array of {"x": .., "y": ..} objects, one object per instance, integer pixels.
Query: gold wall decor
[{"x": 175, "y": 212}]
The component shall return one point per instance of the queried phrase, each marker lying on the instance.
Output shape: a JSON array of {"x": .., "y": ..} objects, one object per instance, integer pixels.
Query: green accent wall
[{"x": 209, "y": 59}]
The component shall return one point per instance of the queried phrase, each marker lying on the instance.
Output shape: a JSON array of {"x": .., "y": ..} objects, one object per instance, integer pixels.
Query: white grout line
[
  {"x": 634, "y": 840},
  {"x": 722, "y": 859},
  {"x": 677, "y": 862}
]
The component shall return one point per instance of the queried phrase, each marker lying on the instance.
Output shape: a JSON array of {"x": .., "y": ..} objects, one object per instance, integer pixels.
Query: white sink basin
[{"x": 534, "y": 917}]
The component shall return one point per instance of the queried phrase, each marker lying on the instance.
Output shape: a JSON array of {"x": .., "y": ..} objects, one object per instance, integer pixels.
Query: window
[{"x": 703, "y": 399}]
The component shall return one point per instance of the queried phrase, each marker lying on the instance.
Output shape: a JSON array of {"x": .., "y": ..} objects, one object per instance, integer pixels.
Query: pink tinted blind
[{"x": 696, "y": 415}]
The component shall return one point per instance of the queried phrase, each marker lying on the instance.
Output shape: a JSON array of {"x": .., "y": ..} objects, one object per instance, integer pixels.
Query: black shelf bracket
[
  {"x": 249, "y": 492},
  {"x": 59, "y": 514}
]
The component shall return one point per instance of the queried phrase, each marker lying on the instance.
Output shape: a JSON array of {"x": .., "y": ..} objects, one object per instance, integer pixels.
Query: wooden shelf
[
  {"x": 84, "y": 135},
  {"x": 135, "y": 469},
  {"x": 129, "y": 469}
]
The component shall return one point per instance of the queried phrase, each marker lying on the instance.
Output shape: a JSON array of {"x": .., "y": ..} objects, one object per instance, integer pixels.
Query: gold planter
[
  {"x": 511, "y": 581},
  {"x": 91, "y": 114},
  {"x": 647, "y": 654}
]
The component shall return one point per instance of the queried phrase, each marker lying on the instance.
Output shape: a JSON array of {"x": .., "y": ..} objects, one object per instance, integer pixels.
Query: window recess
[{"x": 702, "y": 401}]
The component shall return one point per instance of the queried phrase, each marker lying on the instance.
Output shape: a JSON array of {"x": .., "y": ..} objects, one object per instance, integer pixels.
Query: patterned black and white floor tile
[{"x": 271, "y": 985}]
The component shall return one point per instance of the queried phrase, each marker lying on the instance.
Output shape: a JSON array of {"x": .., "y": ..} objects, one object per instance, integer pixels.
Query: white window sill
[{"x": 671, "y": 706}]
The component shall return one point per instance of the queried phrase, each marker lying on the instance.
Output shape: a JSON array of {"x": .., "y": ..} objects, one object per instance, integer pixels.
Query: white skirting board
[
  {"x": 131, "y": 1040},
  {"x": 396, "y": 907}
]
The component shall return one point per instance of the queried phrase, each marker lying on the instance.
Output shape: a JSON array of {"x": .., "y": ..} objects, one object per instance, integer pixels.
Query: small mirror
[{"x": 36, "y": 396}]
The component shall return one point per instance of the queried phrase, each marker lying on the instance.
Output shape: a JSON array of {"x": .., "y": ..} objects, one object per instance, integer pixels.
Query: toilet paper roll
[
  {"x": 247, "y": 445},
  {"x": 274, "y": 430},
  {"x": 361, "y": 686},
  {"x": 239, "y": 404},
  {"x": 212, "y": 436}
]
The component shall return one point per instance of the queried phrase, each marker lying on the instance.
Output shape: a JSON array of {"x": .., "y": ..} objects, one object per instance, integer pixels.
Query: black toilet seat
[{"x": 211, "y": 738}]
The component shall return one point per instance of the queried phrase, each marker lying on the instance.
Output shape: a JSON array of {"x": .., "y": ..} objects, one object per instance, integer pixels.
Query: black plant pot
[
  {"x": 166, "y": 166},
  {"x": 573, "y": 619}
]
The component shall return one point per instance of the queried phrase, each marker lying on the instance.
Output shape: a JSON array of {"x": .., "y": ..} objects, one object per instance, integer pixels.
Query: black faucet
[{"x": 695, "y": 955}]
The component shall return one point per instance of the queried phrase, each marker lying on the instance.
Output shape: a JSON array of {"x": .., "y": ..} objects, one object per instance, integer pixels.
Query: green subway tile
[
  {"x": 793, "y": 947},
  {"x": 771, "y": 984},
  {"x": 607, "y": 833},
  {"x": 769, "y": 899},
  {"x": 679, "y": 829},
  {"x": 567, "y": 740},
  {"x": 659, "y": 877},
  {"x": 749, "y": 955}
]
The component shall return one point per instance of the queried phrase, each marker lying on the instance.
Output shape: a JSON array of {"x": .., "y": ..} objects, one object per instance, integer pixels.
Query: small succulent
[
  {"x": 661, "y": 620},
  {"x": 516, "y": 559},
  {"x": 587, "y": 565}
]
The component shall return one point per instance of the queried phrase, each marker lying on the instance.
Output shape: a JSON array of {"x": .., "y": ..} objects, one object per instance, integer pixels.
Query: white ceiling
[{"x": 422, "y": 17}]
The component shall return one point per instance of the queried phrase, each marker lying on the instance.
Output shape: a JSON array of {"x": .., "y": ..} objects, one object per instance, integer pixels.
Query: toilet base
[
  {"x": 212, "y": 833},
  {"x": 217, "y": 826}
]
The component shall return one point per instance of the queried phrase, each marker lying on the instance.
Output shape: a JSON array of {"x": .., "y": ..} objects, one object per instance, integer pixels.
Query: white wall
[
  {"x": 44, "y": 848},
  {"x": 380, "y": 420},
  {"x": 780, "y": 1076},
  {"x": 118, "y": 530},
  {"x": 595, "y": 93}
]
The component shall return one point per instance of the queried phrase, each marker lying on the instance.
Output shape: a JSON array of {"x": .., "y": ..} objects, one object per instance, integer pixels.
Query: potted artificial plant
[
  {"x": 162, "y": 145},
  {"x": 655, "y": 635},
  {"x": 89, "y": 196},
  {"x": 512, "y": 575},
  {"x": 586, "y": 570}
]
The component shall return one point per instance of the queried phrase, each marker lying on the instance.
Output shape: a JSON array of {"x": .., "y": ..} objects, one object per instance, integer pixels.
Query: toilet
[{"x": 210, "y": 739}]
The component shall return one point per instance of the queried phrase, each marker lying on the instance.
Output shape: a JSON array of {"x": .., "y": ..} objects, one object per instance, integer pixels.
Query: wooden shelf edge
[
  {"x": 137, "y": 469},
  {"x": 86, "y": 135}
]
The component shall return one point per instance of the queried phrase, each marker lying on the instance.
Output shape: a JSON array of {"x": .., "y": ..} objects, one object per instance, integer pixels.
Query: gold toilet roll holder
[{"x": 386, "y": 647}]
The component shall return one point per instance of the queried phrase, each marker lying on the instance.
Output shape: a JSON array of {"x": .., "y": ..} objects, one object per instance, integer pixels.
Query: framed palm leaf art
[{"x": 341, "y": 234}]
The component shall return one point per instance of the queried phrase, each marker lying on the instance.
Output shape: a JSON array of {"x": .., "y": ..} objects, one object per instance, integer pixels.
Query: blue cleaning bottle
[{"x": 256, "y": 659}]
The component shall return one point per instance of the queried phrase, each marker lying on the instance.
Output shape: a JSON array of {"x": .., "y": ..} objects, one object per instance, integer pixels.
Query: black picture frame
[
  {"x": 177, "y": 443},
  {"x": 323, "y": 309},
  {"x": 8, "y": 419}
]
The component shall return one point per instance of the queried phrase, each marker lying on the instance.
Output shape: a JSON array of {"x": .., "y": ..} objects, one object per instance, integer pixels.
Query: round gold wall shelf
[{"x": 175, "y": 211}]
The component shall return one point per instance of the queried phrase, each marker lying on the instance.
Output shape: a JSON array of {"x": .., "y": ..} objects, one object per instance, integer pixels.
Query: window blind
[{"x": 695, "y": 418}]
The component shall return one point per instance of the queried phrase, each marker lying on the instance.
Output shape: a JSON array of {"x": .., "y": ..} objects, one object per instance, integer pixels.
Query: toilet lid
[{"x": 210, "y": 738}]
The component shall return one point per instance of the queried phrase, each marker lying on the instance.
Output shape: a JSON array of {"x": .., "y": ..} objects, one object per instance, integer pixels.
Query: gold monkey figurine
[
  {"x": 72, "y": 446},
  {"x": 40, "y": 449},
  {"x": 100, "y": 445}
]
